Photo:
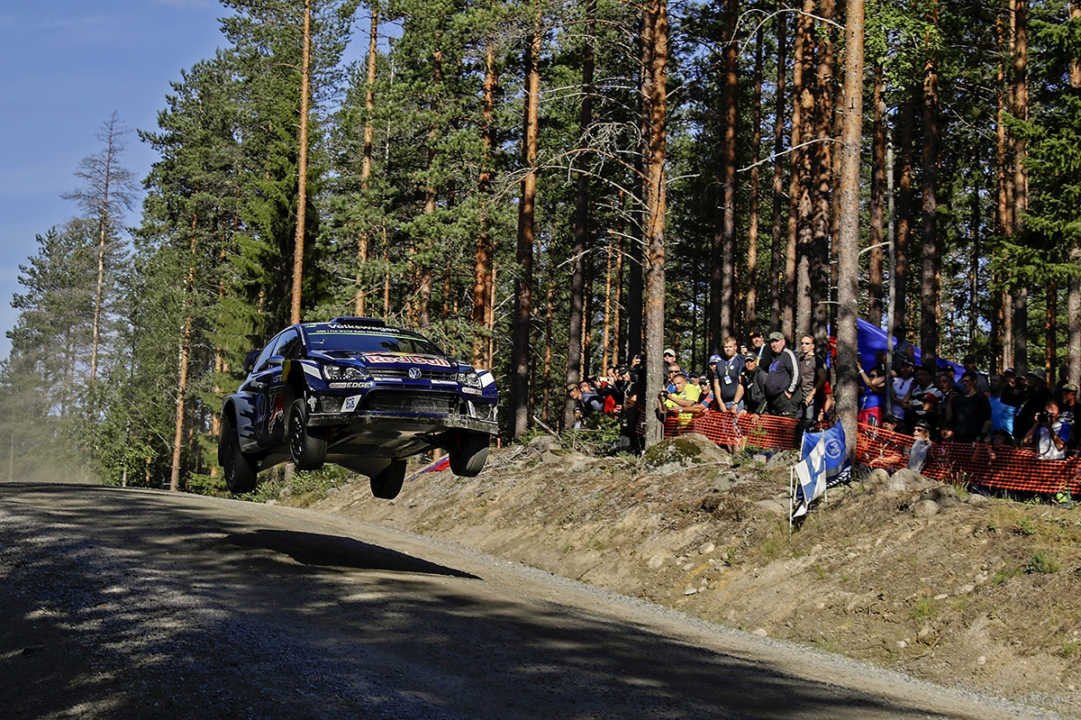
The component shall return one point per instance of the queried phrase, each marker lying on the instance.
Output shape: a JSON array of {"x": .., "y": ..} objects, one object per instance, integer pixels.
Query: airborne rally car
[{"x": 358, "y": 393}]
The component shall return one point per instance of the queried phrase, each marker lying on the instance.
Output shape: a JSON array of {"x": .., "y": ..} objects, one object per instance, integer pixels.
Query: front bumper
[{"x": 423, "y": 423}]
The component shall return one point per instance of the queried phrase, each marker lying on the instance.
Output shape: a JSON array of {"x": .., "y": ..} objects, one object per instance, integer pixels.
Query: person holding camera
[
  {"x": 1047, "y": 434},
  {"x": 683, "y": 400}
]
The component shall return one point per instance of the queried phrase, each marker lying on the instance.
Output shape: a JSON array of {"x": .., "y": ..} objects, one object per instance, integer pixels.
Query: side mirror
[
  {"x": 275, "y": 361},
  {"x": 249, "y": 361}
]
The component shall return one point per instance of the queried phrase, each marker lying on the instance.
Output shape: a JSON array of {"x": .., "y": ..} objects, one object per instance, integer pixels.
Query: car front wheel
[
  {"x": 308, "y": 451},
  {"x": 239, "y": 469},
  {"x": 388, "y": 483},
  {"x": 468, "y": 452}
]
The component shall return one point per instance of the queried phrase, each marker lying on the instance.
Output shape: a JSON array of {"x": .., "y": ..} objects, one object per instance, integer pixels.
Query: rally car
[{"x": 358, "y": 393}]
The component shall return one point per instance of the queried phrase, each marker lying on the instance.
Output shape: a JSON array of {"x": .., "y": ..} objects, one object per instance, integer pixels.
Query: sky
[{"x": 71, "y": 63}]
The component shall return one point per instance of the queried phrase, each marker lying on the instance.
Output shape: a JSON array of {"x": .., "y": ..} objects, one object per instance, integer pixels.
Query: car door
[
  {"x": 264, "y": 382},
  {"x": 276, "y": 386}
]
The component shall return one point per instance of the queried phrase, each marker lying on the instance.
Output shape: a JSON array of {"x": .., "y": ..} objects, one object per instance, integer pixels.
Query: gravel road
[{"x": 136, "y": 604}]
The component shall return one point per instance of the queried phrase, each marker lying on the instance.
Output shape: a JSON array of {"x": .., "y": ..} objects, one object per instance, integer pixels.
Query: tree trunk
[
  {"x": 929, "y": 279},
  {"x": 849, "y": 238},
  {"x": 878, "y": 195},
  {"x": 547, "y": 403},
  {"x": 576, "y": 319},
  {"x": 605, "y": 359},
  {"x": 359, "y": 301},
  {"x": 617, "y": 341},
  {"x": 777, "y": 250},
  {"x": 636, "y": 284},
  {"x": 103, "y": 225},
  {"x": 1075, "y": 63},
  {"x": 805, "y": 194},
  {"x": 1050, "y": 331},
  {"x": 519, "y": 401},
  {"x": 386, "y": 275},
  {"x": 302, "y": 165},
  {"x": 974, "y": 260},
  {"x": 1020, "y": 177},
  {"x": 730, "y": 98},
  {"x": 904, "y": 213},
  {"x": 1073, "y": 296},
  {"x": 750, "y": 301},
  {"x": 802, "y": 100},
  {"x": 817, "y": 291},
  {"x": 182, "y": 377},
  {"x": 656, "y": 208},
  {"x": 1073, "y": 314},
  {"x": 483, "y": 257}
]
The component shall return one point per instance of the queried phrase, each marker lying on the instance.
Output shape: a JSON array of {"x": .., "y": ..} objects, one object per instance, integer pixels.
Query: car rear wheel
[
  {"x": 307, "y": 451},
  {"x": 238, "y": 468},
  {"x": 388, "y": 483},
  {"x": 468, "y": 452}
]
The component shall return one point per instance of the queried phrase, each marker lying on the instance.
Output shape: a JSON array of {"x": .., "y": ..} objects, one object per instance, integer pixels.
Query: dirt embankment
[{"x": 949, "y": 586}]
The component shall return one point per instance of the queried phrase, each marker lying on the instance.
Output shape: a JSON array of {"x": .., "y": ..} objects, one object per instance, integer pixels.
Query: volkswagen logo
[{"x": 414, "y": 373}]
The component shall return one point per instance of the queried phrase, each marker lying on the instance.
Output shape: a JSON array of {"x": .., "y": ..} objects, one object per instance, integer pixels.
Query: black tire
[
  {"x": 308, "y": 451},
  {"x": 388, "y": 483},
  {"x": 468, "y": 453},
  {"x": 237, "y": 467}
]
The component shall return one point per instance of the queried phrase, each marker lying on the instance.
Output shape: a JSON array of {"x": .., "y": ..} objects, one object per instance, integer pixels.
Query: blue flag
[{"x": 825, "y": 464}]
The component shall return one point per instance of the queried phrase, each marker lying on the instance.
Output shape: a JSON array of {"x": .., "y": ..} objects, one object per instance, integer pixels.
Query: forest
[{"x": 547, "y": 189}]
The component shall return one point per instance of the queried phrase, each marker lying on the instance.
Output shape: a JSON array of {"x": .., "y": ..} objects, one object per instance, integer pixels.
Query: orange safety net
[
  {"x": 1000, "y": 467},
  {"x": 994, "y": 467},
  {"x": 758, "y": 431}
]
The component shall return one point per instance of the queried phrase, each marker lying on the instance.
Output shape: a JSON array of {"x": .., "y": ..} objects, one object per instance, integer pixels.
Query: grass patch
[
  {"x": 924, "y": 610},
  {"x": 1041, "y": 563},
  {"x": 1003, "y": 575},
  {"x": 304, "y": 488},
  {"x": 1027, "y": 526}
]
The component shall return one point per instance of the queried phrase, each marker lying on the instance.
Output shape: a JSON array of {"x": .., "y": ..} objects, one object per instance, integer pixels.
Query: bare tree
[{"x": 107, "y": 191}]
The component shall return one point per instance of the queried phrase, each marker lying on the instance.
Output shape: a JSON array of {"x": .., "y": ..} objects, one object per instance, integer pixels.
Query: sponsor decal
[
  {"x": 350, "y": 403},
  {"x": 471, "y": 391},
  {"x": 311, "y": 370},
  {"x": 444, "y": 382},
  {"x": 382, "y": 359},
  {"x": 277, "y": 413},
  {"x": 348, "y": 385},
  {"x": 486, "y": 378},
  {"x": 312, "y": 403}
]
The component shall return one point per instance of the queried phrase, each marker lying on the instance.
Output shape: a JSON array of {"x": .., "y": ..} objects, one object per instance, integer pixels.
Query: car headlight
[
  {"x": 344, "y": 372},
  {"x": 469, "y": 379}
]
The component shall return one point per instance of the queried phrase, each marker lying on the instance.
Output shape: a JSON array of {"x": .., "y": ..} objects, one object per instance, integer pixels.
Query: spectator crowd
[{"x": 766, "y": 376}]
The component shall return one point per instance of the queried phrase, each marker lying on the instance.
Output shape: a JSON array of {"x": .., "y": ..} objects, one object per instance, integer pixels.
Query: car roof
[{"x": 366, "y": 325}]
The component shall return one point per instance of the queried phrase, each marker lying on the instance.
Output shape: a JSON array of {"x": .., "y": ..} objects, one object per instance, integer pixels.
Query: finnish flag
[{"x": 824, "y": 464}]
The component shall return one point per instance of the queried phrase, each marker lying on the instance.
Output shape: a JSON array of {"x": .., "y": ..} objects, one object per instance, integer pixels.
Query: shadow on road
[
  {"x": 330, "y": 550},
  {"x": 128, "y": 604}
]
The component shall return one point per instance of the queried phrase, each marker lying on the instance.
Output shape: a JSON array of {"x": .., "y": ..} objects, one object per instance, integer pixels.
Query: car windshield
[{"x": 354, "y": 341}]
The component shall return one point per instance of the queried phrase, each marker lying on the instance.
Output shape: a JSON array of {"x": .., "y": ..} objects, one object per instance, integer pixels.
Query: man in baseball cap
[
  {"x": 752, "y": 379},
  {"x": 782, "y": 379}
]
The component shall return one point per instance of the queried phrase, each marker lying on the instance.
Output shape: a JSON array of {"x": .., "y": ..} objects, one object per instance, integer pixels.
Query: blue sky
[{"x": 70, "y": 65}]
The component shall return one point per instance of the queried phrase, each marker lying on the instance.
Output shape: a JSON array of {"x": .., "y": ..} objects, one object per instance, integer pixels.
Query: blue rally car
[{"x": 355, "y": 392}]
